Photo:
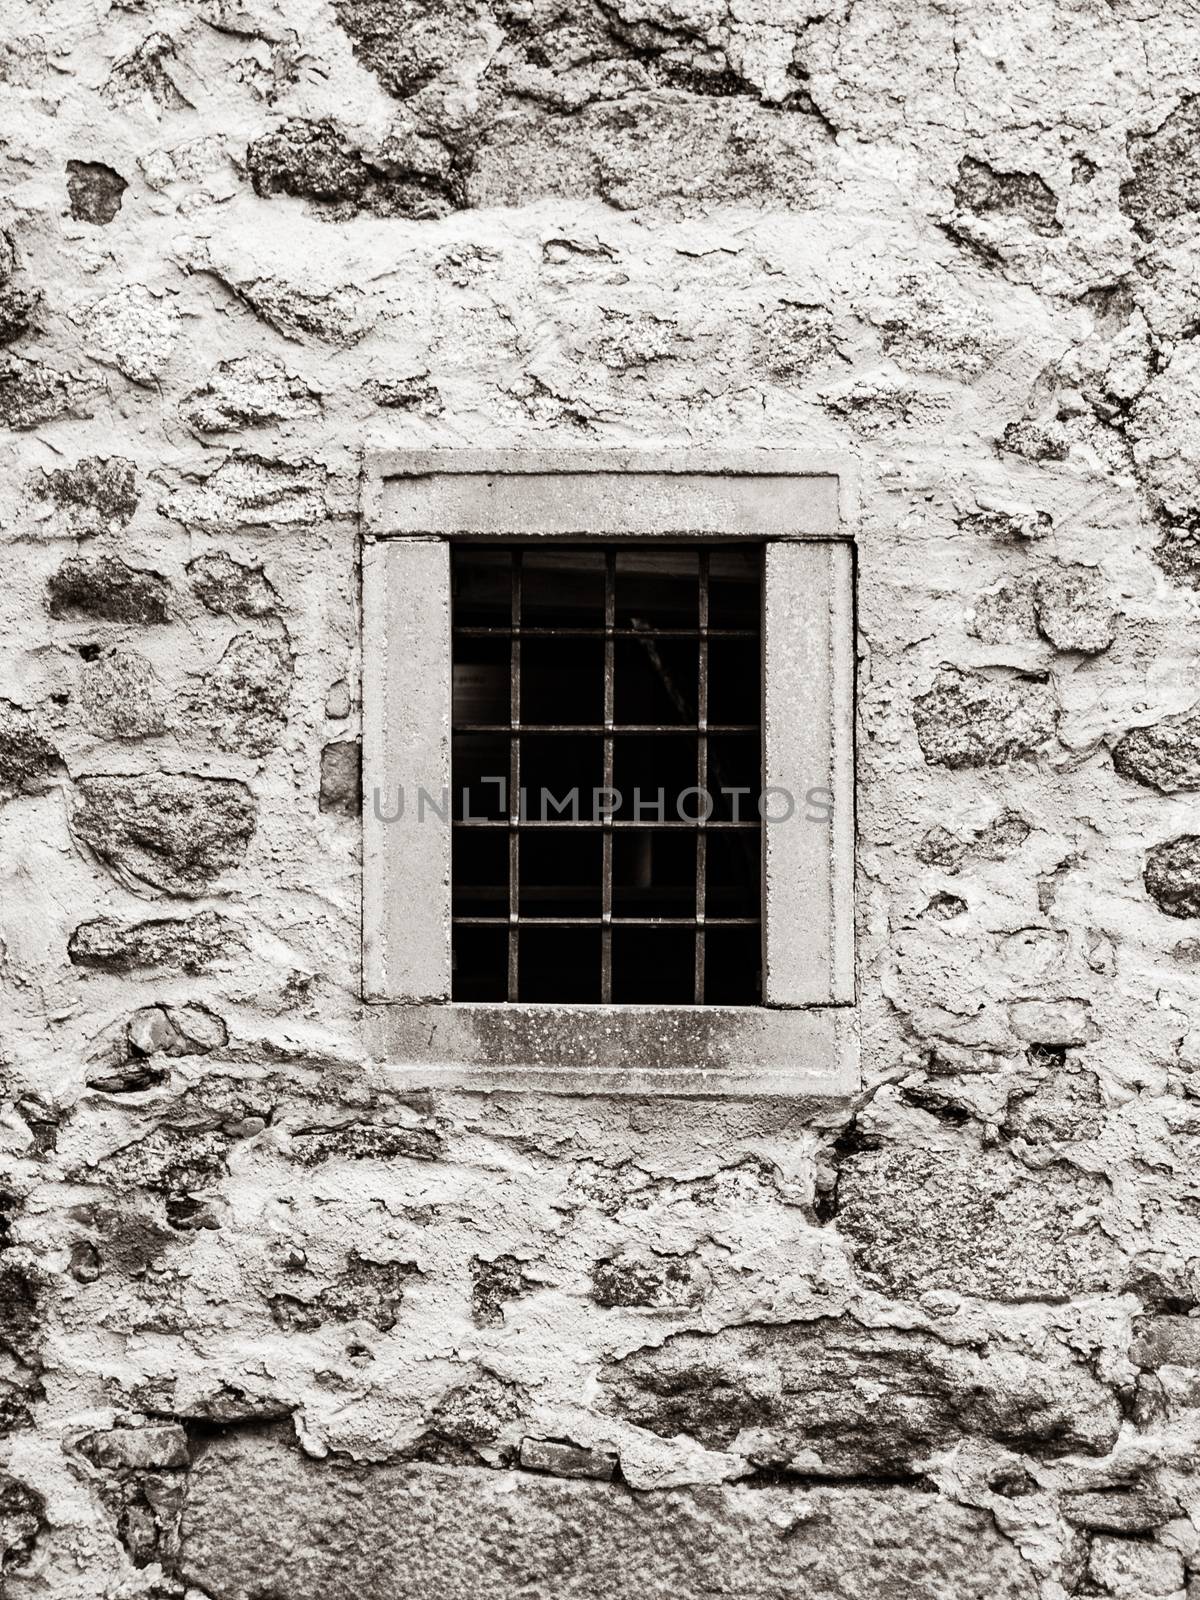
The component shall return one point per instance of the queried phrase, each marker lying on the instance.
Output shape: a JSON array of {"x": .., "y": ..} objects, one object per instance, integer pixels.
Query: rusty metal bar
[
  {"x": 599, "y": 823},
  {"x": 646, "y": 632},
  {"x": 514, "y": 790},
  {"x": 606, "y": 867},
  {"x": 702, "y": 775},
  {"x": 534, "y": 921},
  {"x": 604, "y": 727}
]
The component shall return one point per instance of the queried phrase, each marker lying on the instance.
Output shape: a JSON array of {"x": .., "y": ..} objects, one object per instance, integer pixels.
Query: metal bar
[
  {"x": 614, "y": 922},
  {"x": 615, "y": 822},
  {"x": 514, "y": 788},
  {"x": 701, "y": 775},
  {"x": 600, "y": 633},
  {"x": 606, "y": 869},
  {"x": 606, "y": 728}
]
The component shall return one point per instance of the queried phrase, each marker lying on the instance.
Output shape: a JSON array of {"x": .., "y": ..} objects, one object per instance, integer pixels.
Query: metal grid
[{"x": 518, "y": 825}]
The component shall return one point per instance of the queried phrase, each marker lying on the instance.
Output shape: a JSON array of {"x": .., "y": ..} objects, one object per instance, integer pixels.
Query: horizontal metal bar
[
  {"x": 614, "y": 921},
  {"x": 613, "y": 822},
  {"x": 599, "y": 728},
  {"x": 472, "y": 632}
]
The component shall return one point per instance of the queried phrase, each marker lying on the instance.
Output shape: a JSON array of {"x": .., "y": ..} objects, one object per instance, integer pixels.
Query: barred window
[
  {"x": 608, "y": 781},
  {"x": 606, "y": 773}
]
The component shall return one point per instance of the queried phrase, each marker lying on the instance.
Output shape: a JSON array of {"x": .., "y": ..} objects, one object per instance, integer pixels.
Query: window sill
[{"x": 810, "y": 1053}]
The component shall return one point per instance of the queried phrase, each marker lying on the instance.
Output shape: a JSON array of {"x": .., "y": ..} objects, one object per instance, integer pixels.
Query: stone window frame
[{"x": 802, "y": 1041}]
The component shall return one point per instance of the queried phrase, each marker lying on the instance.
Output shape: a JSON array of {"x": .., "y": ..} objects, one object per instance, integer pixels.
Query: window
[{"x": 608, "y": 772}]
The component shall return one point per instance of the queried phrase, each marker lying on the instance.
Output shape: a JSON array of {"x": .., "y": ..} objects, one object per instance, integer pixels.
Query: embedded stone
[
  {"x": 1163, "y": 428},
  {"x": 134, "y": 331},
  {"x": 145, "y": 75},
  {"x": 1134, "y": 1569},
  {"x": 139, "y": 1449},
  {"x": 1053, "y": 1022},
  {"x": 22, "y": 1520},
  {"x": 1036, "y": 441},
  {"x": 413, "y": 393},
  {"x": 232, "y": 588},
  {"x": 794, "y": 339},
  {"x": 249, "y": 392},
  {"x": 121, "y": 697},
  {"x": 1166, "y": 171},
  {"x": 1172, "y": 875},
  {"x": 241, "y": 704},
  {"x": 1074, "y": 610},
  {"x": 973, "y": 1221},
  {"x": 1125, "y": 1510},
  {"x": 1006, "y": 832},
  {"x": 359, "y": 1141},
  {"x": 104, "y": 589},
  {"x": 308, "y": 157},
  {"x": 188, "y": 944},
  {"x": 248, "y": 491},
  {"x": 364, "y": 1291},
  {"x": 633, "y": 1279},
  {"x": 713, "y": 148},
  {"x": 1007, "y": 525},
  {"x": 1166, "y": 1341},
  {"x": 1066, "y": 1106},
  {"x": 133, "y": 1076},
  {"x": 493, "y": 1284},
  {"x": 338, "y": 316},
  {"x": 176, "y": 1161},
  {"x": 173, "y": 831},
  {"x": 98, "y": 494},
  {"x": 95, "y": 191},
  {"x": 150, "y": 1031},
  {"x": 341, "y": 778},
  {"x": 567, "y": 1460},
  {"x": 1005, "y": 615},
  {"x": 28, "y": 759},
  {"x": 1165, "y": 755},
  {"x": 835, "y": 1399},
  {"x": 405, "y": 49},
  {"x": 198, "y": 1031},
  {"x": 988, "y": 192},
  {"x": 32, "y": 393},
  {"x": 261, "y": 1517},
  {"x": 17, "y": 307},
  {"x": 479, "y": 1412},
  {"x": 980, "y": 719}
]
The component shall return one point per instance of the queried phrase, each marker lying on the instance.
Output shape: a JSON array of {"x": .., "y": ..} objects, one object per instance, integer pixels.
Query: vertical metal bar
[
  {"x": 610, "y": 622},
  {"x": 514, "y": 787},
  {"x": 702, "y": 801}
]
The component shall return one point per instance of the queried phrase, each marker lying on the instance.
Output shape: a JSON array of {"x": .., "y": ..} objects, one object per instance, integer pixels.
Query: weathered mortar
[{"x": 269, "y": 1324}]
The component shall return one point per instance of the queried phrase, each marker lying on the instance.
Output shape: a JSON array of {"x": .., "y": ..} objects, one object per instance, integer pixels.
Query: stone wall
[{"x": 268, "y": 1327}]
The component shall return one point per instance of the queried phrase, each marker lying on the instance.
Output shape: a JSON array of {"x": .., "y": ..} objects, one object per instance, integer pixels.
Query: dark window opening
[{"x": 606, "y": 773}]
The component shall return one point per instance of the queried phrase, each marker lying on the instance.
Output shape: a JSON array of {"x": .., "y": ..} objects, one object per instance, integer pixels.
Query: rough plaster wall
[{"x": 269, "y": 1328}]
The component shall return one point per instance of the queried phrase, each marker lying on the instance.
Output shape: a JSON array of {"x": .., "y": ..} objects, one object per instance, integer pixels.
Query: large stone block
[
  {"x": 1165, "y": 755},
  {"x": 261, "y": 1519},
  {"x": 105, "y": 589},
  {"x": 836, "y": 1399},
  {"x": 977, "y": 719},
  {"x": 99, "y": 494},
  {"x": 174, "y": 831},
  {"x": 1172, "y": 875},
  {"x": 974, "y": 1221},
  {"x": 189, "y": 944},
  {"x": 28, "y": 760}
]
